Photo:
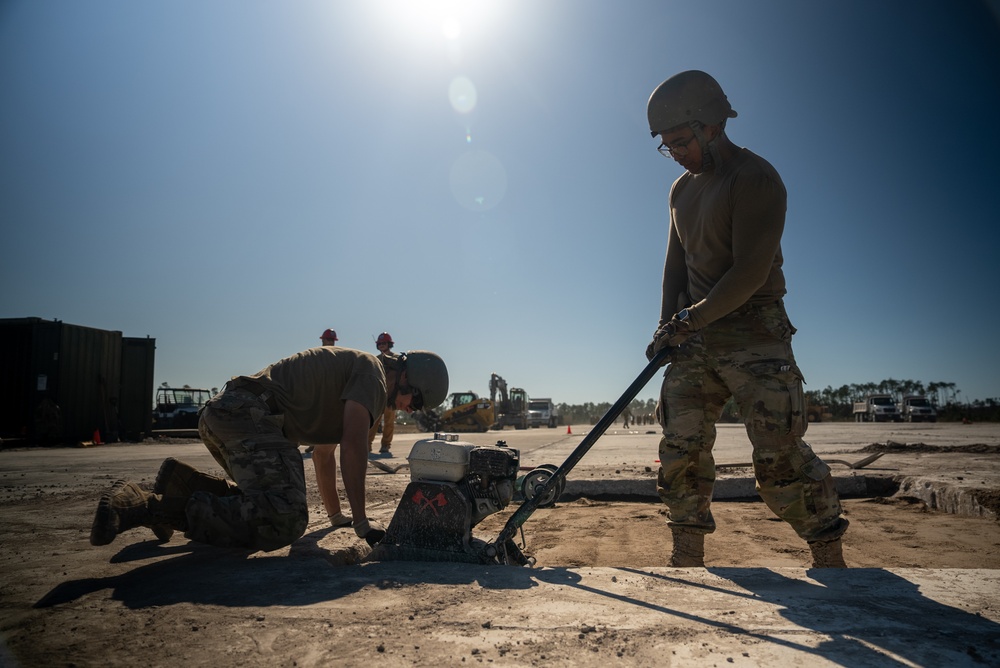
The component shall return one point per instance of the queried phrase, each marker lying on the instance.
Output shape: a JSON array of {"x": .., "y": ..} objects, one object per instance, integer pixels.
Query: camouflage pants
[
  {"x": 748, "y": 356},
  {"x": 249, "y": 444}
]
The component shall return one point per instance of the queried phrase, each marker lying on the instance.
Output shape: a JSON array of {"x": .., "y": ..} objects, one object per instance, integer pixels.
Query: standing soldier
[
  {"x": 723, "y": 316},
  {"x": 384, "y": 343}
]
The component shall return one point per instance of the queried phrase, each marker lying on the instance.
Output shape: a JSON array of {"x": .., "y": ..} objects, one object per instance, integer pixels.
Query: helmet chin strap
[{"x": 709, "y": 152}]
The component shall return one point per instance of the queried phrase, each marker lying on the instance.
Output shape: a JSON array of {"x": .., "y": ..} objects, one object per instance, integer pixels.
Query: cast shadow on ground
[
  {"x": 201, "y": 574},
  {"x": 870, "y": 616},
  {"x": 396, "y": 573}
]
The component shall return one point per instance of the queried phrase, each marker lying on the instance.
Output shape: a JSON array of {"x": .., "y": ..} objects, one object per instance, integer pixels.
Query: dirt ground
[{"x": 136, "y": 602}]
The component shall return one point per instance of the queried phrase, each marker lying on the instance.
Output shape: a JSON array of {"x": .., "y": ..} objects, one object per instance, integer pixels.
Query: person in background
[
  {"x": 384, "y": 343},
  {"x": 328, "y": 337},
  {"x": 331, "y": 501}
]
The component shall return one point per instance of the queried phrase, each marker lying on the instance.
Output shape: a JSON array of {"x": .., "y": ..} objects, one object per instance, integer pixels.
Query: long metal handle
[{"x": 522, "y": 514}]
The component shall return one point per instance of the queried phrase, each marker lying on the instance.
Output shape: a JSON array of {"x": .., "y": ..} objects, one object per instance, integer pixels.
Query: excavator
[
  {"x": 468, "y": 412},
  {"x": 513, "y": 406}
]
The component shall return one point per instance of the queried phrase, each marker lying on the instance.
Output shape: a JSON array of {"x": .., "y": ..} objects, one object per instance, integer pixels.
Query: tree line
[
  {"x": 944, "y": 396},
  {"x": 828, "y": 404},
  {"x": 939, "y": 393}
]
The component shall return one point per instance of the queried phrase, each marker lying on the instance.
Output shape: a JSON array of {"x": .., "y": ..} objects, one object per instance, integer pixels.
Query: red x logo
[{"x": 434, "y": 503}]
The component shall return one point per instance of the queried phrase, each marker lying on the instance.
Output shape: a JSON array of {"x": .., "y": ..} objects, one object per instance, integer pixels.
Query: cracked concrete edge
[
  {"x": 942, "y": 496},
  {"x": 725, "y": 489},
  {"x": 936, "y": 494}
]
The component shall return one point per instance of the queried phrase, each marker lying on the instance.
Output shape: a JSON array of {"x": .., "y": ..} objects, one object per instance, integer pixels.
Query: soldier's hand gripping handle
[
  {"x": 661, "y": 340},
  {"x": 671, "y": 334}
]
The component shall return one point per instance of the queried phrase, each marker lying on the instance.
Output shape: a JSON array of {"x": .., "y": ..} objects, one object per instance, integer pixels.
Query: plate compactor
[{"x": 455, "y": 485}]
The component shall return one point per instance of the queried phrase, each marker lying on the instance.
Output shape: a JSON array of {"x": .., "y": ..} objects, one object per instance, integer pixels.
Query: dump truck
[
  {"x": 916, "y": 408},
  {"x": 542, "y": 413},
  {"x": 876, "y": 408}
]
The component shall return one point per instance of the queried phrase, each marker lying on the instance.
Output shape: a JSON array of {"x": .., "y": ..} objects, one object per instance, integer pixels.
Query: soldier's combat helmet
[
  {"x": 691, "y": 96},
  {"x": 426, "y": 372}
]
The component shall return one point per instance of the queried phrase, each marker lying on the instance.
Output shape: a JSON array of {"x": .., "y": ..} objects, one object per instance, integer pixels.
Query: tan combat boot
[
  {"x": 828, "y": 554},
  {"x": 124, "y": 507},
  {"x": 127, "y": 506},
  {"x": 178, "y": 480},
  {"x": 689, "y": 549}
]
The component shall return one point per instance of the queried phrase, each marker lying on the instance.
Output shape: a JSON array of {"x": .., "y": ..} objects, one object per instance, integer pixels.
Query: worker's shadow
[
  {"x": 396, "y": 574},
  {"x": 869, "y": 617},
  {"x": 203, "y": 574},
  {"x": 196, "y": 573},
  {"x": 895, "y": 612}
]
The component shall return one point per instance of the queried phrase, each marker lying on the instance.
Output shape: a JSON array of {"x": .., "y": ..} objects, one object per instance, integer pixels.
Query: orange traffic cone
[
  {"x": 569, "y": 429},
  {"x": 97, "y": 437}
]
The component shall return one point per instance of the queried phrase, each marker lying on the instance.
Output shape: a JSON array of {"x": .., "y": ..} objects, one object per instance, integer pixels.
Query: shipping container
[
  {"x": 63, "y": 383},
  {"x": 136, "y": 414}
]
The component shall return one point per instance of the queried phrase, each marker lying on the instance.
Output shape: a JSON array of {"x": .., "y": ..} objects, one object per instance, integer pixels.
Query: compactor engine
[{"x": 453, "y": 487}]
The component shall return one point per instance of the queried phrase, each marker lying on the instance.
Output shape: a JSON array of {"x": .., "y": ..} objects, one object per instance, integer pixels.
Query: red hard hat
[
  {"x": 328, "y": 334},
  {"x": 384, "y": 337}
]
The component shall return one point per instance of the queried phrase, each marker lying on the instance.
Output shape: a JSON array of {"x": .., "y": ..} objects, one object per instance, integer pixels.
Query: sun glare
[
  {"x": 450, "y": 19},
  {"x": 451, "y": 29}
]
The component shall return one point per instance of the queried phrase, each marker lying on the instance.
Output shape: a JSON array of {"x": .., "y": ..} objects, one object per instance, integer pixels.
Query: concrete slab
[
  {"x": 740, "y": 617},
  {"x": 950, "y": 467},
  {"x": 139, "y": 603},
  {"x": 457, "y": 614}
]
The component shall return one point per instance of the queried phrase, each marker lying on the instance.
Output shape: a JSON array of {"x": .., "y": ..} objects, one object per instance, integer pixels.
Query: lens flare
[
  {"x": 462, "y": 95},
  {"x": 478, "y": 180}
]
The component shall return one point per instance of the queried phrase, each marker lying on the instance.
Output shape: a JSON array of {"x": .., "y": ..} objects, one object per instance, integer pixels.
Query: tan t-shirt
[
  {"x": 725, "y": 240},
  {"x": 390, "y": 357},
  {"x": 311, "y": 387}
]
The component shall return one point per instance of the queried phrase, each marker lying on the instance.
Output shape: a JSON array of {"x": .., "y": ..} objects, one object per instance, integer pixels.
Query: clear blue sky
[{"x": 477, "y": 178}]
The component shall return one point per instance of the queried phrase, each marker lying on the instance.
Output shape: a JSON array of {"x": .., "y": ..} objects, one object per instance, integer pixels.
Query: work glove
[
  {"x": 651, "y": 349},
  {"x": 372, "y": 532},
  {"x": 670, "y": 335}
]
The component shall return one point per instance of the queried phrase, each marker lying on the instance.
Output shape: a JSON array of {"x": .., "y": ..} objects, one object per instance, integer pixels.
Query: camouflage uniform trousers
[
  {"x": 746, "y": 355},
  {"x": 248, "y": 443}
]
